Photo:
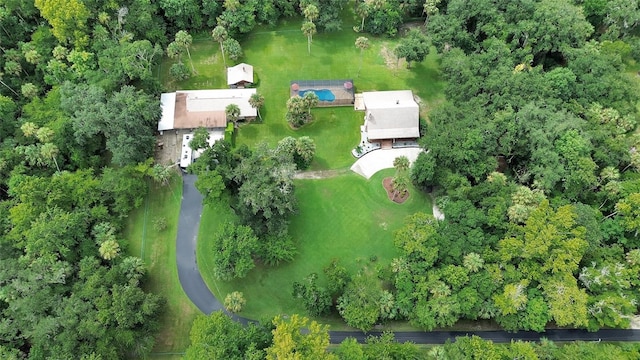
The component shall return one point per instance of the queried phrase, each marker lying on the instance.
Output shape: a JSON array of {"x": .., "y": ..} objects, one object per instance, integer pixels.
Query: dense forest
[{"x": 533, "y": 158}]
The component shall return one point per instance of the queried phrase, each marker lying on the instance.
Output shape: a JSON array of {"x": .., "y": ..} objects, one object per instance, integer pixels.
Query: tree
[
  {"x": 350, "y": 349},
  {"x": 256, "y": 101},
  {"x": 126, "y": 120},
  {"x": 629, "y": 210},
  {"x": 200, "y": 139},
  {"x": 233, "y": 49},
  {"x": 359, "y": 305},
  {"x": 211, "y": 185},
  {"x": 233, "y": 248},
  {"x": 413, "y": 47},
  {"x": 50, "y": 151},
  {"x": 179, "y": 71},
  {"x": 182, "y": 14},
  {"x": 337, "y": 277},
  {"x": 362, "y": 9},
  {"x": 109, "y": 249},
  {"x": 266, "y": 196},
  {"x": 301, "y": 149},
  {"x": 310, "y": 99},
  {"x": 400, "y": 185},
  {"x": 385, "y": 346},
  {"x": 232, "y": 112},
  {"x": 68, "y": 20},
  {"x": 304, "y": 152},
  {"x": 310, "y": 12},
  {"x": 138, "y": 58},
  {"x": 473, "y": 262},
  {"x": 29, "y": 90},
  {"x": 401, "y": 164},
  {"x": 308, "y": 29},
  {"x": 297, "y": 114},
  {"x": 567, "y": 302},
  {"x": 362, "y": 43},
  {"x": 234, "y": 302},
  {"x": 184, "y": 39},
  {"x": 316, "y": 299},
  {"x": 290, "y": 342},
  {"x": 219, "y": 34},
  {"x": 217, "y": 336},
  {"x": 430, "y": 8}
]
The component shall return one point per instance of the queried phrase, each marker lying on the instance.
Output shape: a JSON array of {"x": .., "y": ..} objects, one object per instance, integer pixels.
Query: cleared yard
[{"x": 345, "y": 217}]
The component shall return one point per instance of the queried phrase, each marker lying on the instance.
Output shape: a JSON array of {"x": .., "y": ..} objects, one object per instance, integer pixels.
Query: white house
[
  {"x": 391, "y": 115},
  {"x": 240, "y": 75},
  {"x": 190, "y": 109}
]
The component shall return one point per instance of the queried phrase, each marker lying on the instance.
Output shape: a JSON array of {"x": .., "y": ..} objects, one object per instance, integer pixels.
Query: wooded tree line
[{"x": 534, "y": 159}]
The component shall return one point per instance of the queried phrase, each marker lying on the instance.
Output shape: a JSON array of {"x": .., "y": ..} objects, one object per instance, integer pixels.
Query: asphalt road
[{"x": 196, "y": 289}]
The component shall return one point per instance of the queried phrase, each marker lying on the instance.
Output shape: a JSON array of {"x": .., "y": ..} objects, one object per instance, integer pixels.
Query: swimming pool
[{"x": 323, "y": 94}]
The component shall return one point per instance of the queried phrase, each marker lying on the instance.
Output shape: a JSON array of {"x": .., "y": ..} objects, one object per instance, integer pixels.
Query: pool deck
[{"x": 343, "y": 97}]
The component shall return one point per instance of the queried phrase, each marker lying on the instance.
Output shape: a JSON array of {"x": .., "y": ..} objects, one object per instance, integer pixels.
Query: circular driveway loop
[{"x": 380, "y": 159}]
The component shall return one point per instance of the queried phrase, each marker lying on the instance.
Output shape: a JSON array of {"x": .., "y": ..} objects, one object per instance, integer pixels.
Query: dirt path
[{"x": 321, "y": 174}]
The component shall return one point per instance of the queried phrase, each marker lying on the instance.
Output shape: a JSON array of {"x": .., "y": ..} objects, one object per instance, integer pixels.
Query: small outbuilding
[{"x": 240, "y": 76}]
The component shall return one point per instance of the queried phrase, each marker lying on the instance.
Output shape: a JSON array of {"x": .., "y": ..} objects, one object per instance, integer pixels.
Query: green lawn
[
  {"x": 280, "y": 55},
  {"x": 157, "y": 249},
  {"x": 345, "y": 217}
]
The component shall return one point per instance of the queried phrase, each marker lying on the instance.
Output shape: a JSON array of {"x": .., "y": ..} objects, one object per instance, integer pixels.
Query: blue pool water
[{"x": 323, "y": 95}]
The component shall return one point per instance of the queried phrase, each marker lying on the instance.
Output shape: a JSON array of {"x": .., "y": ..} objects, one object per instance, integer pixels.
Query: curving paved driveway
[
  {"x": 198, "y": 292},
  {"x": 377, "y": 160},
  {"x": 186, "y": 242}
]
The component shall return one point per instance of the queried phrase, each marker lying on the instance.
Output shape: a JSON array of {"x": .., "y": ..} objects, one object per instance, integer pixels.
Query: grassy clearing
[
  {"x": 280, "y": 55},
  {"x": 157, "y": 249},
  {"x": 346, "y": 217}
]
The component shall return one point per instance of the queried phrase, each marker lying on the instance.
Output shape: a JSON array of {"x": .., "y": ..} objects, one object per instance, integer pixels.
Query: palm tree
[
  {"x": 184, "y": 39},
  {"x": 308, "y": 29},
  {"x": 310, "y": 100},
  {"x": 234, "y": 301},
  {"x": 473, "y": 262},
  {"x": 29, "y": 129},
  {"x": 220, "y": 34},
  {"x": 256, "y": 101},
  {"x": 401, "y": 163},
  {"x": 400, "y": 185},
  {"x": 232, "y": 111},
  {"x": 109, "y": 249},
  {"x": 311, "y": 12},
  {"x": 50, "y": 151},
  {"x": 430, "y": 8},
  {"x": 363, "y": 9},
  {"x": 362, "y": 43}
]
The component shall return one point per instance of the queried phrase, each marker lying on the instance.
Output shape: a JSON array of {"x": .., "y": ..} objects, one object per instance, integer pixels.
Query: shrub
[{"x": 234, "y": 302}]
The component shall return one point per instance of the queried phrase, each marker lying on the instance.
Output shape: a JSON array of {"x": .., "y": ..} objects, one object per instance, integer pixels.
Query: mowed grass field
[
  {"x": 346, "y": 217},
  {"x": 280, "y": 55},
  {"x": 158, "y": 250}
]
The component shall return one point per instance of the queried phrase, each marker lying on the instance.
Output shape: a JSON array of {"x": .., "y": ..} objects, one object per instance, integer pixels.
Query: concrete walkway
[{"x": 377, "y": 160}]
